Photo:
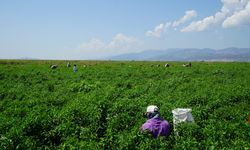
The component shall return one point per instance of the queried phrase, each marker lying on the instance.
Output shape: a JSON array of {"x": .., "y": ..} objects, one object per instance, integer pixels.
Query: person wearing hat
[
  {"x": 74, "y": 68},
  {"x": 155, "y": 124},
  {"x": 68, "y": 65}
]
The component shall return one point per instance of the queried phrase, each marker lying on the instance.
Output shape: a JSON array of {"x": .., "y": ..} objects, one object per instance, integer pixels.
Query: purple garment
[{"x": 157, "y": 126}]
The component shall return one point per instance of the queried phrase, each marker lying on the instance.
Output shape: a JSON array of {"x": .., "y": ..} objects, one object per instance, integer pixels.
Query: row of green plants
[{"x": 101, "y": 106}]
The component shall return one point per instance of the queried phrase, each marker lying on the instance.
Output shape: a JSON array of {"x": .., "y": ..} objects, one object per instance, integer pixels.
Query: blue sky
[{"x": 93, "y": 29}]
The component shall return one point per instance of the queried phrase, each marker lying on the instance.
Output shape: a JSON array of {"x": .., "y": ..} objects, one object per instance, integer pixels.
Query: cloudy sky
[{"x": 93, "y": 29}]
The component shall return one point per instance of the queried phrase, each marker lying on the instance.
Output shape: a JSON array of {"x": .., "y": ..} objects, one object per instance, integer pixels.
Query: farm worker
[
  {"x": 155, "y": 124},
  {"x": 74, "y": 68},
  {"x": 68, "y": 65},
  {"x": 53, "y": 66}
]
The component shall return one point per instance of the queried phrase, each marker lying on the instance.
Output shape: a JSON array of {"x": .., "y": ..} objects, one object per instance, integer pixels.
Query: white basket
[{"x": 182, "y": 115}]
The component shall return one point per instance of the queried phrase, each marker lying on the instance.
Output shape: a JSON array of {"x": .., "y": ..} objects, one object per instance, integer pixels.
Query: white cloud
[
  {"x": 188, "y": 15},
  {"x": 229, "y": 9},
  {"x": 120, "y": 42},
  {"x": 158, "y": 30},
  {"x": 93, "y": 44},
  {"x": 241, "y": 17},
  {"x": 204, "y": 24}
]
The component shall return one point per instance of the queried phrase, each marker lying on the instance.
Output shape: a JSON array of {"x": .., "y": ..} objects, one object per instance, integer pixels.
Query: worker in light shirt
[{"x": 74, "y": 68}]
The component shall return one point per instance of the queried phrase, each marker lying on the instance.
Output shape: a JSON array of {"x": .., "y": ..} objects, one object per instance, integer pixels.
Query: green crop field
[{"x": 101, "y": 105}]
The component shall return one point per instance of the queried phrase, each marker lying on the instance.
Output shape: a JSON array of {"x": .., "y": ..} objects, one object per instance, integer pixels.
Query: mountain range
[{"x": 188, "y": 54}]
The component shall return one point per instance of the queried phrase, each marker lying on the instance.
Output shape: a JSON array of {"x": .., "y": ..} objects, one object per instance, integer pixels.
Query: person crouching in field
[
  {"x": 68, "y": 65},
  {"x": 155, "y": 124},
  {"x": 74, "y": 68}
]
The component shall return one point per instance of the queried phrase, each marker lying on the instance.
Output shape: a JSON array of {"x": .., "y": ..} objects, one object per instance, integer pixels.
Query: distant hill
[{"x": 189, "y": 54}]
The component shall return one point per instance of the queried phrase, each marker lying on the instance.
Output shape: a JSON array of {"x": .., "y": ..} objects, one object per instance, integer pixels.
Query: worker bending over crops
[
  {"x": 155, "y": 124},
  {"x": 68, "y": 65}
]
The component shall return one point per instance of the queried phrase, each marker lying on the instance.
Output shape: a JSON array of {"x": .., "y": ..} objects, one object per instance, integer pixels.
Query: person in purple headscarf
[{"x": 155, "y": 124}]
